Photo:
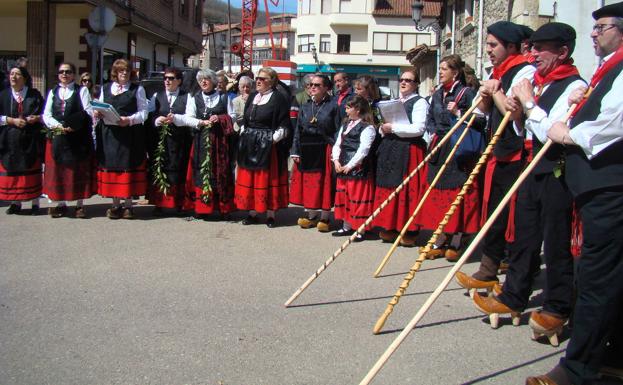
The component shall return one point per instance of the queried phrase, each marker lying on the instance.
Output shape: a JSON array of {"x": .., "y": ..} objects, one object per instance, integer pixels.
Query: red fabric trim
[
  {"x": 122, "y": 184},
  {"x": 262, "y": 190},
  {"x": 507, "y": 64},
  {"x": 313, "y": 190},
  {"x": 397, "y": 212},
  {"x": 22, "y": 187},
  {"x": 563, "y": 71},
  {"x": 68, "y": 182},
  {"x": 354, "y": 200},
  {"x": 576, "y": 233},
  {"x": 527, "y": 144}
]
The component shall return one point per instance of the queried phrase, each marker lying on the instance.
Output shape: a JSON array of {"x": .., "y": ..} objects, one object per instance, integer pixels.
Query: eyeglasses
[
  {"x": 261, "y": 79},
  {"x": 315, "y": 84},
  {"x": 601, "y": 28},
  {"x": 66, "y": 72},
  {"x": 86, "y": 80},
  {"x": 406, "y": 80},
  {"x": 170, "y": 78}
]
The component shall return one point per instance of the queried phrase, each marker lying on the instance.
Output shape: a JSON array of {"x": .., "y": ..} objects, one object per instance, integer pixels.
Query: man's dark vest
[
  {"x": 509, "y": 143},
  {"x": 546, "y": 103},
  {"x": 606, "y": 169}
]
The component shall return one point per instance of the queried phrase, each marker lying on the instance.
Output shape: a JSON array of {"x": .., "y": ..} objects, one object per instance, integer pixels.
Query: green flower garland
[
  {"x": 160, "y": 177},
  {"x": 206, "y": 166},
  {"x": 52, "y": 132}
]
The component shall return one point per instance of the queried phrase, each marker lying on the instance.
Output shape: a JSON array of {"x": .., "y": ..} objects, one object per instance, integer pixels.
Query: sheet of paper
[
  {"x": 393, "y": 111},
  {"x": 111, "y": 116}
]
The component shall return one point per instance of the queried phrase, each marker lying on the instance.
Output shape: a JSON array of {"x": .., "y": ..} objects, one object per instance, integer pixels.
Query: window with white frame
[
  {"x": 325, "y": 6},
  {"x": 305, "y": 43},
  {"x": 384, "y": 42},
  {"x": 325, "y": 43},
  {"x": 306, "y": 7},
  {"x": 345, "y": 6},
  {"x": 469, "y": 10}
]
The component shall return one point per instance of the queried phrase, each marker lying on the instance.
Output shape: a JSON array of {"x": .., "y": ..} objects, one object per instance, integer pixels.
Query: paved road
[{"x": 167, "y": 301}]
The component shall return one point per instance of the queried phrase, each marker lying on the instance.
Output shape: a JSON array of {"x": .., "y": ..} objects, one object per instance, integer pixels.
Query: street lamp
[
  {"x": 315, "y": 56},
  {"x": 416, "y": 14}
]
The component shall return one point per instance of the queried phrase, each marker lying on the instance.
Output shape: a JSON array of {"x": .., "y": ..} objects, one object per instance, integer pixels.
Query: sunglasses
[
  {"x": 66, "y": 72},
  {"x": 315, "y": 84},
  {"x": 261, "y": 79},
  {"x": 86, "y": 80},
  {"x": 407, "y": 80},
  {"x": 171, "y": 78}
]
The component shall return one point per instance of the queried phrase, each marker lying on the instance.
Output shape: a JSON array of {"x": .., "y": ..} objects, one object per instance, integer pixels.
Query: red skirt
[
  {"x": 192, "y": 199},
  {"x": 262, "y": 190},
  {"x": 22, "y": 186},
  {"x": 313, "y": 189},
  {"x": 466, "y": 218},
  {"x": 354, "y": 199},
  {"x": 68, "y": 182},
  {"x": 172, "y": 200},
  {"x": 398, "y": 211},
  {"x": 122, "y": 184}
]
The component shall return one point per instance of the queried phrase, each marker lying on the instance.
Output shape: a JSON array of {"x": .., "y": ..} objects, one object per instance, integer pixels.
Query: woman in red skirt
[
  {"x": 401, "y": 150},
  {"x": 448, "y": 103},
  {"x": 210, "y": 180},
  {"x": 69, "y": 157},
  {"x": 169, "y": 145},
  {"x": 20, "y": 142},
  {"x": 354, "y": 192},
  {"x": 311, "y": 184},
  {"x": 121, "y": 145},
  {"x": 262, "y": 179}
]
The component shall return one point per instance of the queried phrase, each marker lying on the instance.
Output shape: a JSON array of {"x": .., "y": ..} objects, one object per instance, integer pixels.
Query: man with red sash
[
  {"x": 509, "y": 68},
  {"x": 544, "y": 204},
  {"x": 594, "y": 174}
]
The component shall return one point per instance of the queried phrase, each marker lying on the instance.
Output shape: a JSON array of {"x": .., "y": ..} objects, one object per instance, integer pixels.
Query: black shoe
[
  {"x": 114, "y": 213},
  {"x": 13, "y": 209},
  {"x": 343, "y": 232},
  {"x": 270, "y": 223},
  {"x": 250, "y": 220},
  {"x": 359, "y": 238},
  {"x": 34, "y": 210}
]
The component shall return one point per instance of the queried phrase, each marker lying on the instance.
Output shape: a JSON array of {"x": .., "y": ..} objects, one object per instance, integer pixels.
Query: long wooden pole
[
  {"x": 459, "y": 198},
  {"x": 384, "y": 204},
  {"x": 403, "y": 231},
  {"x": 457, "y": 266}
]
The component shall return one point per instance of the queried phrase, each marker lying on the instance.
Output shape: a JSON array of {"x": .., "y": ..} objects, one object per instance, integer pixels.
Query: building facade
[
  {"x": 464, "y": 26},
  {"x": 152, "y": 34},
  {"x": 363, "y": 37}
]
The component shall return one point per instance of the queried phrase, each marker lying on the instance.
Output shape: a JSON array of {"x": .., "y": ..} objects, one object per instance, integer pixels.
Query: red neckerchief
[
  {"x": 530, "y": 57},
  {"x": 563, "y": 71},
  {"x": 600, "y": 73},
  {"x": 448, "y": 86},
  {"x": 342, "y": 95},
  {"x": 507, "y": 64}
]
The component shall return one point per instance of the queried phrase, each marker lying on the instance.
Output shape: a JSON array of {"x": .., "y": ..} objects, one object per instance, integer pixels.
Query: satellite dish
[{"x": 102, "y": 19}]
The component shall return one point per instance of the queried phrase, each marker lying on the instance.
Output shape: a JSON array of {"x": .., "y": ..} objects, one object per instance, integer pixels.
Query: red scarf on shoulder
[
  {"x": 507, "y": 64},
  {"x": 563, "y": 71},
  {"x": 601, "y": 72}
]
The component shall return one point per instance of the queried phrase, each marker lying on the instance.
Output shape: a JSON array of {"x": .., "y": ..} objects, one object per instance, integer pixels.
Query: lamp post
[
  {"x": 416, "y": 14},
  {"x": 315, "y": 56}
]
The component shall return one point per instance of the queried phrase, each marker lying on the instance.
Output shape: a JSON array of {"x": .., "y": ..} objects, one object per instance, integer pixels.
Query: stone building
[{"x": 464, "y": 24}]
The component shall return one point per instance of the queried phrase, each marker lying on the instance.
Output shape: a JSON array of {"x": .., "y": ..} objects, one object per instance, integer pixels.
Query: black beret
[
  {"x": 526, "y": 31},
  {"x": 612, "y": 10},
  {"x": 561, "y": 32},
  {"x": 506, "y": 31}
]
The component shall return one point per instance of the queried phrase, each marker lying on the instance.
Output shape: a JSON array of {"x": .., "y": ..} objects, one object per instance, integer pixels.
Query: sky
[{"x": 290, "y": 5}]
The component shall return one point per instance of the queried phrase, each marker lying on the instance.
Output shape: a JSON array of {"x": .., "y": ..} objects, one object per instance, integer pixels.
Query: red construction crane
[{"x": 245, "y": 48}]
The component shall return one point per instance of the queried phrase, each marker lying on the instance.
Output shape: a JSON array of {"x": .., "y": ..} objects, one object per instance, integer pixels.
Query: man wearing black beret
[
  {"x": 544, "y": 203},
  {"x": 503, "y": 44},
  {"x": 594, "y": 173},
  {"x": 526, "y": 44}
]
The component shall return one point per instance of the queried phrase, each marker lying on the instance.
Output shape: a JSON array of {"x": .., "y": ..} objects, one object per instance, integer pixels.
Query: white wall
[{"x": 68, "y": 34}]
